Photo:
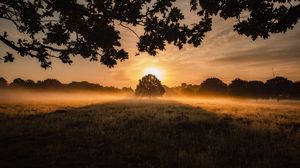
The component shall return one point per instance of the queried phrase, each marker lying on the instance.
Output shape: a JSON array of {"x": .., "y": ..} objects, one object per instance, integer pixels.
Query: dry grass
[{"x": 150, "y": 133}]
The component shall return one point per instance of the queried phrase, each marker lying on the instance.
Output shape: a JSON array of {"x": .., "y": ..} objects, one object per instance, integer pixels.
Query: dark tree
[
  {"x": 149, "y": 86},
  {"x": 256, "y": 89},
  {"x": 3, "y": 83},
  {"x": 30, "y": 84},
  {"x": 84, "y": 85},
  {"x": 296, "y": 90},
  {"x": 213, "y": 86},
  {"x": 188, "y": 89},
  {"x": 279, "y": 87},
  {"x": 238, "y": 87},
  {"x": 49, "y": 84},
  {"x": 128, "y": 90},
  {"x": 20, "y": 83},
  {"x": 89, "y": 28}
]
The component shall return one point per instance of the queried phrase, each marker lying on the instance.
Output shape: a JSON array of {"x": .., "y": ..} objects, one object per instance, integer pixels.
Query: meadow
[{"x": 116, "y": 131}]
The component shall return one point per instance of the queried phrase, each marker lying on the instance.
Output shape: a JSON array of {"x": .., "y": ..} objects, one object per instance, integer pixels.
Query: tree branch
[
  {"x": 55, "y": 49},
  {"x": 25, "y": 50},
  {"x": 130, "y": 30},
  {"x": 10, "y": 44}
]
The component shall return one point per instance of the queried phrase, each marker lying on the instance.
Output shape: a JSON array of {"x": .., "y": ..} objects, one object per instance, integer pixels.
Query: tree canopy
[
  {"x": 3, "y": 82},
  {"x": 88, "y": 28},
  {"x": 56, "y": 85},
  {"x": 149, "y": 86},
  {"x": 213, "y": 86}
]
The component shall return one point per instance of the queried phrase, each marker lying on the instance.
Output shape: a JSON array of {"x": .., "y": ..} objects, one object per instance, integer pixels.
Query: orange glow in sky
[{"x": 154, "y": 71}]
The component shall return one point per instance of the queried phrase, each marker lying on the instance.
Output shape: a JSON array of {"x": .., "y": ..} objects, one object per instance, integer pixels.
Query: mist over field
[
  {"x": 78, "y": 98},
  {"x": 117, "y": 130}
]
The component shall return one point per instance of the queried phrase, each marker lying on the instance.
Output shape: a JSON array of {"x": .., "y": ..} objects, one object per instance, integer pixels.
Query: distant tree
[
  {"x": 183, "y": 85},
  {"x": 189, "y": 89},
  {"x": 172, "y": 91},
  {"x": 238, "y": 87},
  {"x": 150, "y": 86},
  {"x": 256, "y": 89},
  {"x": 127, "y": 90},
  {"x": 279, "y": 87},
  {"x": 296, "y": 90},
  {"x": 89, "y": 28},
  {"x": 213, "y": 86},
  {"x": 84, "y": 85},
  {"x": 30, "y": 84},
  {"x": 110, "y": 89},
  {"x": 20, "y": 83},
  {"x": 3, "y": 83},
  {"x": 50, "y": 84}
]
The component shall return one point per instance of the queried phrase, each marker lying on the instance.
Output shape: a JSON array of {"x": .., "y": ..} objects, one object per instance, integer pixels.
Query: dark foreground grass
[{"x": 146, "y": 134}]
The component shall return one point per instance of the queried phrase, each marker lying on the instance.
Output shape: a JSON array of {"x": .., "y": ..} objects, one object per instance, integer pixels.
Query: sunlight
[{"x": 154, "y": 71}]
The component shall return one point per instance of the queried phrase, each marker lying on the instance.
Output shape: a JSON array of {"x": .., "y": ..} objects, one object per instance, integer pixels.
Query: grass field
[{"x": 127, "y": 132}]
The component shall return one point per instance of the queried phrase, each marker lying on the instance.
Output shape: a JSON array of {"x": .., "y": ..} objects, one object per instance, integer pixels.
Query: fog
[
  {"x": 89, "y": 97},
  {"x": 25, "y": 96}
]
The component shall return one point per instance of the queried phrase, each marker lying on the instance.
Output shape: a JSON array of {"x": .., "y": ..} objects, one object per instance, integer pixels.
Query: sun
[{"x": 154, "y": 71}]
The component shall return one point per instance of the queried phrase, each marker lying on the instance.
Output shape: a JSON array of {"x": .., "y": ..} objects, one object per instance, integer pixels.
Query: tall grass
[{"x": 151, "y": 133}]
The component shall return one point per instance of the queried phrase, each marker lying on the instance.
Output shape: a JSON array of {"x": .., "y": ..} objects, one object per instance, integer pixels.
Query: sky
[{"x": 223, "y": 54}]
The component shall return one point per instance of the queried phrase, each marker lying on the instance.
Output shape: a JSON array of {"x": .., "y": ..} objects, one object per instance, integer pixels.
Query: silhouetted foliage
[
  {"x": 256, "y": 89},
  {"x": 20, "y": 83},
  {"x": 84, "y": 85},
  {"x": 150, "y": 86},
  {"x": 213, "y": 86},
  {"x": 55, "y": 85},
  {"x": 127, "y": 90},
  {"x": 49, "y": 84},
  {"x": 110, "y": 89},
  {"x": 279, "y": 87},
  {"x": 238, "y": 87},
  {"x": 64, "y": 28},
  {"x": 3, "y": 83},
  {"x": 190, "y": 90},
  {"x": 172, "y": 91},
  {"x": 296, "y": 90},
  {"x": 244, "y": 88}
]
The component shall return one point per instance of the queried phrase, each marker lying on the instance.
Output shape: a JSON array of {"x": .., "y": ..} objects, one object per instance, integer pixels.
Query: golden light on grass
[{"x": 154, "y": 71}]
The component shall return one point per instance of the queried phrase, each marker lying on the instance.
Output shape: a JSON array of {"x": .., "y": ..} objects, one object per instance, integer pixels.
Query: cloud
[{"x": 272, "y": 51}]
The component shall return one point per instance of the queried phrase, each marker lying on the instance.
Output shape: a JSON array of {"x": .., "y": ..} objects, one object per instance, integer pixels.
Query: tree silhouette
[
  {"x": 49, "y": 84},
  {"x": 279, "y": 87},
  {"x": 296, "y": 89},
  {"x": 238, "y": 87},
  {"x": 188, "y": 89},
  {"x": 89, "y": 28},
  {"x": 150, "y": 86},
  {"x": 128, "y": 90},
  {"x": 3, "y": 82},
  {"x": 84, "y": 85},
  {"x": 20, "y": 83},
  {"x": 256, "y": 89},
  {"x": 244, "y": 88},
  {"x": 213, "y": 86},
  {"x": 55, "y": 85}
]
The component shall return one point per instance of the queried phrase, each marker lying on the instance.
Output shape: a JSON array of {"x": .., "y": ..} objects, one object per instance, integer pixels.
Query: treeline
[
  {"x": 55, "y": 85},
  {"x": 278, "y": 88}
]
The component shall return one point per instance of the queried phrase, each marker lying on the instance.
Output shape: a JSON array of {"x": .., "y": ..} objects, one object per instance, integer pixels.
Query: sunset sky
[{"x": 223, "y": 54}]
